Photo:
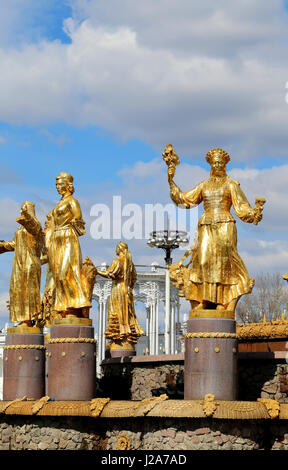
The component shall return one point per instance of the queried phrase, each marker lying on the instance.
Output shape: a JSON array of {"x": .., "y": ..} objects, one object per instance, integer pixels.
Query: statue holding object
[
  {"x": 216, "y": 276},
  {"x": 27, "y": 244},
  {"x": 64, "y": 226},
  {"x": 123, "y": 328}
]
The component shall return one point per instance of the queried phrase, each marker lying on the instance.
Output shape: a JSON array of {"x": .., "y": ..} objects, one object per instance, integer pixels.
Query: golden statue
[
  {"x": 123, "y": 328},
  {"x": 64, "y": 226},
  {"x": 216, "y": 276},
  {"x": 48, "y": 299},
  {"x": 25, "y": 299}
]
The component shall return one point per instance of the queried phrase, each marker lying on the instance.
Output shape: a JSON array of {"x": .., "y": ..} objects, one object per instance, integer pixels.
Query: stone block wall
[
  {"x": 136, "y": 380},
  {"x": 50, "y": 433},
  {"x": 265, "y": 379},
  {"x": 84, "y": 433}
]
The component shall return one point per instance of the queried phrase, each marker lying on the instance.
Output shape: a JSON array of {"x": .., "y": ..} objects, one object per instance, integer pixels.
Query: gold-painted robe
[
  {"x": 24, "y": 292},
  {"x": 217, "y": 273},
  {"x": 48, "y": 299},
  {"x": 64, "y": 255},
  {"x": 122, "y": 320}
]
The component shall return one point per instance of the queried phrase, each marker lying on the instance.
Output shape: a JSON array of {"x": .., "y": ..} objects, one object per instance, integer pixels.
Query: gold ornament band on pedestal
[
  {"x": 24, "y": 346},
  {"x": 230, "y": 314},
  {"x": 216, "y": 334},
  {"x": 71, "y": 340},
  {"x": 121, "y": 345},
  {"x": 147, "y": 404},
  {"x": 12, "y": 402},
  {"x": 25, "y": 330},
  {"x": 72, "y": 321},
  {"x": 97, "y": 405},
  {"x": 38, "y": 405},
  {"x": 263, "y": 330},
  {"x": 154, "y": 407},
  {"x": 272, "y": 406},
  {"x": 209, "y": 404}
]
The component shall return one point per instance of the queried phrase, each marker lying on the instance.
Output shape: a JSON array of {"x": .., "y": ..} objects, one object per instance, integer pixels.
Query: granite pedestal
[
  {"x": 24, "y": 363},
  {"x": 71, "y": 360},
  {"x": 210, "y": 363}
]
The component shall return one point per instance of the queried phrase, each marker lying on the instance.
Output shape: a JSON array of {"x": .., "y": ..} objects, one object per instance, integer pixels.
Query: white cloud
[
  {"x": 203, "y": 76},
  {"x": 59, "y": 140},
  {"x": 142, "y": 170},
  {"x": 197, "y": 27}
]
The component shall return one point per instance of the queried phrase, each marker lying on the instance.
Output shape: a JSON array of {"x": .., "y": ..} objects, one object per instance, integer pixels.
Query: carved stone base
[
  {"x": 122, "y": 349},
  {"x": 71, "y": 363},
  {"x": 24, "y": 364},
  {"x": 210, "y": 363}
]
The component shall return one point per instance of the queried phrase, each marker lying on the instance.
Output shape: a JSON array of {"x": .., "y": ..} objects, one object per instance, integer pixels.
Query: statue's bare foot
[
  {"x": 201, "y": 306},
  {"x": 232, "y": 305},
  {"x": 251, "y": 285},
  {"x": 26, "y": 323},
  {"x": 220, "y": 307}
]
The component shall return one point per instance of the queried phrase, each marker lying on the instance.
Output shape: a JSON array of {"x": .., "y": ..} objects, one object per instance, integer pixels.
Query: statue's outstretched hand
[
  {"x": 171, "y": 173},
  {"x": 257, "y": 217}
]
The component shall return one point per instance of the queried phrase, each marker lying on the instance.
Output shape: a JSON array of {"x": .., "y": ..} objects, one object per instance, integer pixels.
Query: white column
[
  {"x": 156, "y": 327},
  {"x": 167, "y": 312},
  {"x": 100, "y": 332},
  {"x": 177, "y": 350},
  {"x": 172, "y": 335},
  {"x": 152, "y": 328},
  {"x": 148, "y": 327},
  {"x": 105, "y": 321},
  {"x": 150, "y": 335}
]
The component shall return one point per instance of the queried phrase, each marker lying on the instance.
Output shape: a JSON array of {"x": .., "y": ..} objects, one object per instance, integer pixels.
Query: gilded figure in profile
[
  {"x": 48, "y": 299},
  {"x": 215, "y": 277},
  {"x": 123, "y": 327},
  {"x": 63, "y": 228},
  {"x": 27, "y": 244}
]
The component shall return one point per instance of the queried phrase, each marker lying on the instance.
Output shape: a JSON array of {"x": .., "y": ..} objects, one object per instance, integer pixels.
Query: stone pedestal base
[
  {"x": 122, "y": 349},
  {"x": 71, "y": 361},
  {"x": 24, "y": 364},
  {"x": 210, "y": 363}
]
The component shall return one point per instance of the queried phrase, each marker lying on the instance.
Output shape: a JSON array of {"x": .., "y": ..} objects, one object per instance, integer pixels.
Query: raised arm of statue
[
  {"x": 31, "y": 224},
  {"x": 113, "y": 271},
  {"x": 7, "y": 246},
  {"x": 241, "y": 205},
  {"x": 190, "y": 198}
]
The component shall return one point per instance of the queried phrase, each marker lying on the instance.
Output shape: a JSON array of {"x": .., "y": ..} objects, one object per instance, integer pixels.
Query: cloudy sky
[{"x": 98, "y": 88}]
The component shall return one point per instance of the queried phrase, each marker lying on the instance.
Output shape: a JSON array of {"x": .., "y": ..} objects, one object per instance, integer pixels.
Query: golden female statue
[
  {"x": 216, "y": 276},
  {"x": 25, "y": 299},
  {"x": 48, "y": 299},
  {"x": 64, "y": 226},
  {"x": 123, "y": 327}
]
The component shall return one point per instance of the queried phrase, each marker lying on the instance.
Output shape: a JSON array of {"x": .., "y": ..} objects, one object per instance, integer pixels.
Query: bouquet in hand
[{"x": 171, "y": 158}]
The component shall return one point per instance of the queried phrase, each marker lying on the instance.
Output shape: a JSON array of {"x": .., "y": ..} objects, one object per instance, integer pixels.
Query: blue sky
[{"x": 98, "y": 90}]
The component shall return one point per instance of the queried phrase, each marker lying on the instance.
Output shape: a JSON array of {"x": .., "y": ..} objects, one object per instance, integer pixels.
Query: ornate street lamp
[{"x": 168, "y": 240}]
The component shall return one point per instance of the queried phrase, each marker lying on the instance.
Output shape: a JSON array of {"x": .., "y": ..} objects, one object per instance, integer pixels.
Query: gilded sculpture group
[
  {"x": 214, "y": 279},
  {"x": 69, "y": 281}
]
